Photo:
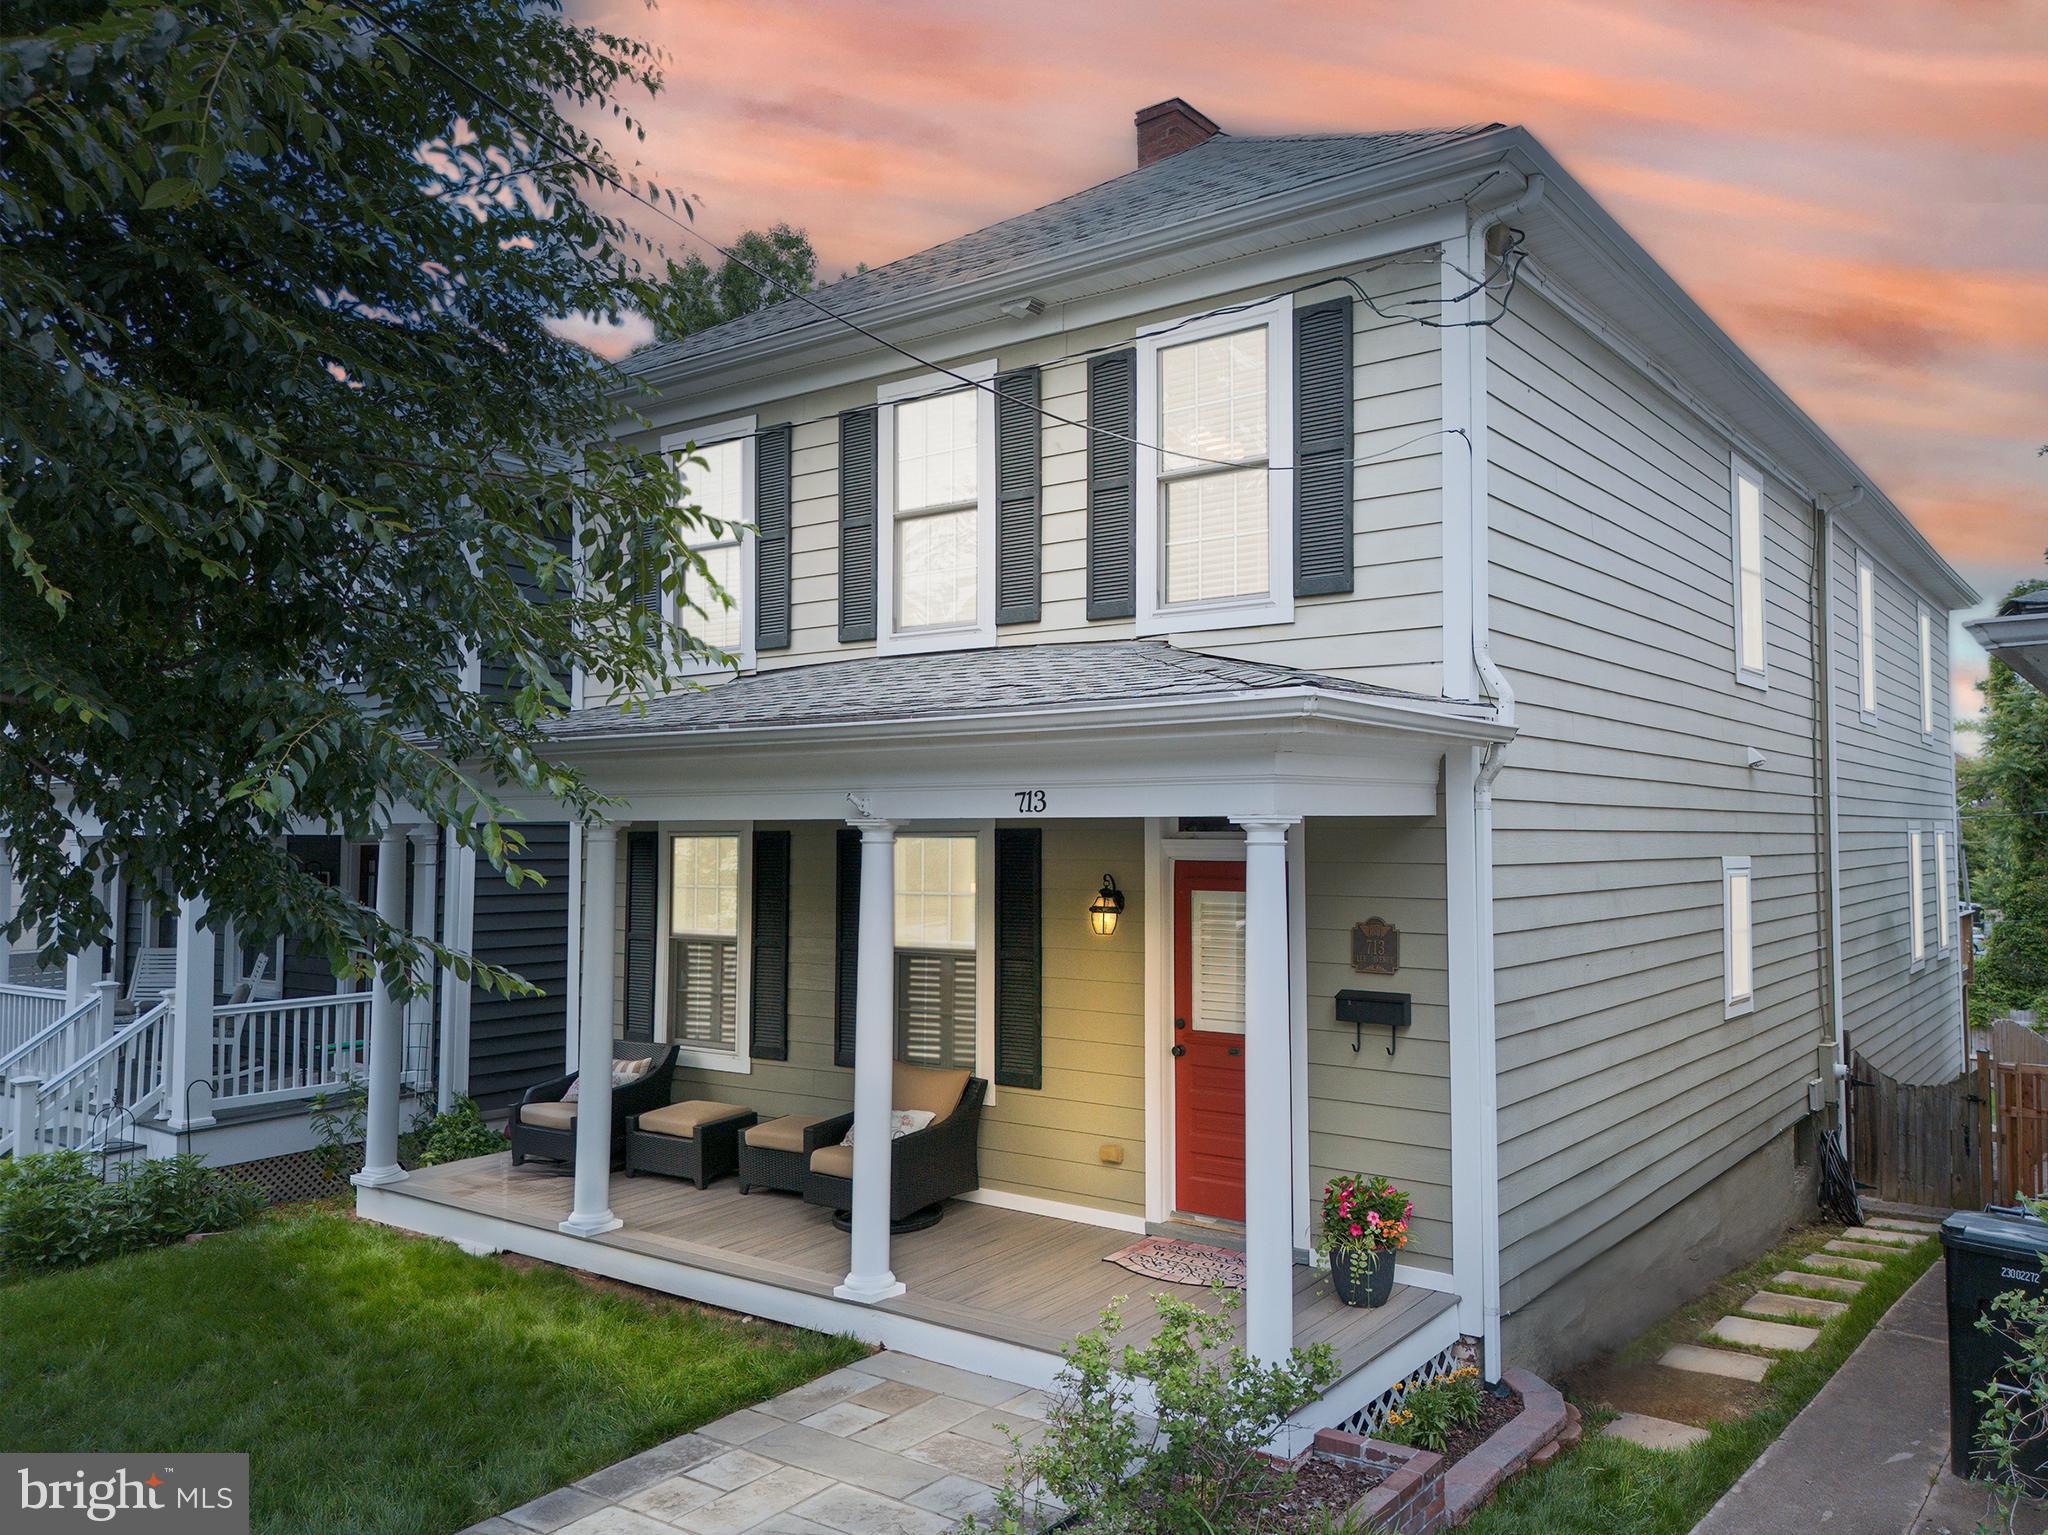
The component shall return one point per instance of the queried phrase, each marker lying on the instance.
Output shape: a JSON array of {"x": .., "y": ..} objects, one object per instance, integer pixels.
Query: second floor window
[
  {"x": 1214, "y": 516},
  {"x": 716, "y": 487},
  {"x": 1866, "y": 636},
  {"x": 704, "y": 926},
  {"x": 937, "y": 496},
  {"x": 1749, "y": 575},
  {"x": 936, "y": 893},
  {"x": 1926, "y": 671}
]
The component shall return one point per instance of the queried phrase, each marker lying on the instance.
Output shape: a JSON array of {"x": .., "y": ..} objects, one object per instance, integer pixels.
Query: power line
[{"x": 374, "y": 14}]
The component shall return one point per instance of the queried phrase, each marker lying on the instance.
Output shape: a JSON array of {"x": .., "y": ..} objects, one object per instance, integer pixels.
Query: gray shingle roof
[
  {"x": 1224, "y": 172},
  {"x": 880, "y": 689}
]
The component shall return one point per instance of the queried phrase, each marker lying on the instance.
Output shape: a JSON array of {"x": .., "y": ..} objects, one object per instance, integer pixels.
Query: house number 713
[{"x": 1030, "y": 801}]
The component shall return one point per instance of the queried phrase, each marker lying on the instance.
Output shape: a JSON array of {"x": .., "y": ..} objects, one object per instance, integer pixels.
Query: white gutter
[
  {"x": 1826, "y": 704},
  {"x": 2020, "y": 640}
]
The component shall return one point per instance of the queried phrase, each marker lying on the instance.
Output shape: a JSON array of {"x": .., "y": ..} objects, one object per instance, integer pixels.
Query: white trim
[
  {"x": 889, "y": 641},
  {"x": 985, "y": 953},
  {"x": 1297, "y": 1025},
  {"x": 1276, "y": 606},
  {"x": 1032, "y": 1204},
  {"x": 1469, "y": 1135},
  {"x": 1866, "y": 634},
  {"x": 1373, "y": 1378},
  {"x": 1734, "y": 1004},
  {"x": 1923, "y": 642},
  {"x": 740, "y": 1062},
  {"x": 1159, "y": 1138},
  {"x": 1916, "y": 898},
  {"x": 1739, "y": 471},
  {"x": 706, "y": 436}
]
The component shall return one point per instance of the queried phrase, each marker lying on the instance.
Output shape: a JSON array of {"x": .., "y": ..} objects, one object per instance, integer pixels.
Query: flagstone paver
[
  {"x": 1714, "y": 1361},
  {"x": 1883, "y": 1236},
  {"x": 1876, "y": 1251},
  {"x": 1780, "y": 1337},
  {"x": 1841, "y": 1263},
  {"x": 1770, "y": 1303},
  {"x": 1896, "y": 1223},
  {"x": 1654, "y": 1433},
  {"x": 1832, "y": 1283}
]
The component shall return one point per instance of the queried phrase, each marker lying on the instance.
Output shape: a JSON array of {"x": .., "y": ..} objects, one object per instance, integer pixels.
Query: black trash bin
[{"x": 1988, "y": 1252}]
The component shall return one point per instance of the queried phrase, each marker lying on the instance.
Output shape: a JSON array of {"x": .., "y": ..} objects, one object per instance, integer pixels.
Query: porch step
[
  {"x": 1654, "y": 1433},
  {"x": 1725, "y": 1362},
  {"x": 1770, "y": 1303},
  {"x": 1833, "y": 1284},
  {"x": 1230, "y": 1238},
  {"x": 1779, "y": 1337}
]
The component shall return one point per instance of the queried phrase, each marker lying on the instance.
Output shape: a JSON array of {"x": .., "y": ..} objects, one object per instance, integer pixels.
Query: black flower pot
[{"x": 1363, "y": 1276}]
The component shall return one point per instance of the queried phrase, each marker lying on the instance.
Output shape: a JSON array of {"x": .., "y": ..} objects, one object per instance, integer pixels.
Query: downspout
[
  {"x": 1497, "y": 687},
  {"x": 1826, "y": 705}
]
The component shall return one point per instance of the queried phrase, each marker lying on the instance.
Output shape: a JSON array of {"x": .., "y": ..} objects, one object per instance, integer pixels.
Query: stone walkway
[{"x": 894, "y": 1445}]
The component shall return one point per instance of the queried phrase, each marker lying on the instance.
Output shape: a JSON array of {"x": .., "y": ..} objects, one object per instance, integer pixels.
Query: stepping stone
[
  {"x": 1836, "y": 1263},
  {"x": 1894, "y": 1223},
  {"x": 1654, "y": 1433},
  {"x": 1715, "y": 1361},
  {"x": 1883, "y": 1238},
  {"x": 1827, "y": 1282},
  {"x": 1768, "y": 1303},
  {"x": 1851, "y": 1249},
  {"x": 1779, "y": 1336}
]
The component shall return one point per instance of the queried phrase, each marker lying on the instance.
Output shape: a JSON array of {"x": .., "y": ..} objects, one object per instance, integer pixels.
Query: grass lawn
[
  {"x": 1616, "y": 1488},
  {"x": 380, "y": 1383}
]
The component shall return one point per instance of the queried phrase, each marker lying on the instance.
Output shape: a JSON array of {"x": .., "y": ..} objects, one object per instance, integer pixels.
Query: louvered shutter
[
  {"x": 1322, "y": 448},
  {"x": 768, "y": 1009},
  {"x": 858, "y": 490},
  {"x": 1018, "y": 539},
  {"x": 643, "y": 874},
  {"x": 771, "y": 546},
  {"x": 1113, "y": 485},
  {"x": 653, "y": 568},
  {"x": 846, "y": 933},
  {"x": 1020, "y": 969}
]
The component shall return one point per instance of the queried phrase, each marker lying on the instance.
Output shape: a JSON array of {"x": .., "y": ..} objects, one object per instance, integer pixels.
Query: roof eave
[{"x": 2020, "y": 640}]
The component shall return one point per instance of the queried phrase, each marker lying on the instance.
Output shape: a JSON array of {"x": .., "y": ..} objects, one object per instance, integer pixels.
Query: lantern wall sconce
[{"x": 1107, "y": 906}]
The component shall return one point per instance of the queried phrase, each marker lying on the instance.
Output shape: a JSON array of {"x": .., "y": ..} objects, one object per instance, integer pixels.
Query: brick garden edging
[{"x": 1421, "y": 1497}]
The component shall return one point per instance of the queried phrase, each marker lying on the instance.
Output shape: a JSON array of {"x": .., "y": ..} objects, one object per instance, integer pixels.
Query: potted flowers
[{"x": 1365, "y": 1222}]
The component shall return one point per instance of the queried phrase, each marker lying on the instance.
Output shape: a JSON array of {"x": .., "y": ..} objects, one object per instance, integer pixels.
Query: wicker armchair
[
  {"x": 542, "y": 1125},
  {"x": 926, "y": 1167}
]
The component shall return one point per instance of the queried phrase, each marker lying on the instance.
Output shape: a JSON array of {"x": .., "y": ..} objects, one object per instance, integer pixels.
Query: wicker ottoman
[
  {"x": 774, "y": 1153},
  {"x": 698, "y": 1139}
]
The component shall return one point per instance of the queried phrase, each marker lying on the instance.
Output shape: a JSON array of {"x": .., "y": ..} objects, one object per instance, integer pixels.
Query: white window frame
[
  {"x": 1740, "y": 469},
  {"x": 741, "y": 1061},
  {"x": 889, "y": 640},
  {"x": 741, "y": 427},
  {"x": 1734, "y": 1005},
  {"x": 1916, "y": 897},
  {"x": 1277, "y": 605},
  {"x": 1944, "y": 925},
  {"x": 1923, "y": 641},
  {"x": 1866, "y": 636}
]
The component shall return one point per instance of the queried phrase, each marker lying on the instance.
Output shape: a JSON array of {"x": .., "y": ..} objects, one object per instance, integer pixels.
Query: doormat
[{"x": 1179, "y": 1262}]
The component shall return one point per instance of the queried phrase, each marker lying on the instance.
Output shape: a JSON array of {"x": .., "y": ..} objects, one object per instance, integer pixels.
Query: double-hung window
[
  {"x": 937, "y": 886},
  {"x": 1215, "y": 499},
  {"x": 937, "y": 524},
  {"x": 1747, "y": 498},
  {"x": 1738, "y": 941},
  {"x": 1926, "y": 638},
  {"x": 1866, "y": 636},
  {"x": 1916, "y": 893},
  {"x": 704, "y": 942},
  {"x": 717, "y": 464}
]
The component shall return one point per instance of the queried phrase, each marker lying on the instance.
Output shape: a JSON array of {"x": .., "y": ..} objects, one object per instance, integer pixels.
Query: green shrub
[
  {"x": 454, "y": 1136},
  {"x": 1430, "y": 1413},
  {"x": 1202, "y": 1468},
  {"x": 56, "y": 1211}
]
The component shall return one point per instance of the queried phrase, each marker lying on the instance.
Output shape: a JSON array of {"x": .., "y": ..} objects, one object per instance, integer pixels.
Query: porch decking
[{"x": 1028, "y": 1281}]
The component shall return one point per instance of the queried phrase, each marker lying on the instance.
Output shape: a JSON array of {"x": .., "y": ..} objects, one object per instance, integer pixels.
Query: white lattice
[{"x": 1368, "y": 1419}]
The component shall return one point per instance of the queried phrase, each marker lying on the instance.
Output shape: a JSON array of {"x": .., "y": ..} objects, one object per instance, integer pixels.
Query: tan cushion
[
  {"x": 833, "y": 1161},
  {"x": 682, "y": 1119},
  {"x": 550, "y": 1116},
  {"x": 784, "y": 1134},
  {"x": 929, "y": 1087}
]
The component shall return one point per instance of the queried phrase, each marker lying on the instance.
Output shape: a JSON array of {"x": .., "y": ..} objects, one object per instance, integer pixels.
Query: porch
[{"x": 990, "y": 1289}]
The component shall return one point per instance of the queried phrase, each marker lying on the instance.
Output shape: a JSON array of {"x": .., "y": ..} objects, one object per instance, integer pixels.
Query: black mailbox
[{"x": 1387, "y": 1010}]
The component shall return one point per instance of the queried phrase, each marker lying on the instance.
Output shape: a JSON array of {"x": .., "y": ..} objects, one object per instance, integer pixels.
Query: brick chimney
[{"x": 1168, "y": 127}]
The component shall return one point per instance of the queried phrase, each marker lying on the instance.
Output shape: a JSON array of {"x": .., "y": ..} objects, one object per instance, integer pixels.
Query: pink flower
[
  {"x": 1357, "y": 1230},
  {"x": 1372, "y": 1217},
  {"x": 1405, "y": 1214}
]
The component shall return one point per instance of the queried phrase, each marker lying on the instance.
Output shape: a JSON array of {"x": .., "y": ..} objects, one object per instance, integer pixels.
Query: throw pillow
[{"x": 902, "y": 1122}]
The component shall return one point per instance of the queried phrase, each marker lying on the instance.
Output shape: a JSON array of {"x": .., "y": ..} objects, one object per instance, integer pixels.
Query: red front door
[{"x": 1208, "y": 1039}]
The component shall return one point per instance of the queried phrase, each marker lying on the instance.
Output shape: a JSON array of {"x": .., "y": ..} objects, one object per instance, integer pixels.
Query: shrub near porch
[{"x": 381, "y": 1384}]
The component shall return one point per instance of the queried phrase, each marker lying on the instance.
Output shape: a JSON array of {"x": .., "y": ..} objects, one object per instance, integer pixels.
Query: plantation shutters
[
  {"x": 1020, "y": 982},
  {"x": 768, "y": 1009},
  {"x": 935, "y": 1007},
  {"x": 771, "y": 549},
  {"x": 846, "y": 939},
  {"x": 858, "y": 493},
  {"x": 1017, "y": 497},
  {"x": 1113, "y": 485},
  {"x": 643, "y": 874},
  {"x": 1322, "y": 448}
]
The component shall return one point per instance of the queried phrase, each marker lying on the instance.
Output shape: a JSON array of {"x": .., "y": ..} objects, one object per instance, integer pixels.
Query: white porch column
[
  {"x": 870, "y": 1279},
  {"x": 458, "y": 891},
  {"x": 592, "y": 1213},
  {"x": 190, "y": 1078},
  {"x": 387, "y": 1029},
  {"x": 84, "y": 966},
  {"x": 419, "y": 1010},
  {"x": 1268, "y": 1093}
]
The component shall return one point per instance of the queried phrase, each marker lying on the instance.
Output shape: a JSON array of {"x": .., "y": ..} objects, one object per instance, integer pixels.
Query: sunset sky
[{"x": 1857, "y": 192}]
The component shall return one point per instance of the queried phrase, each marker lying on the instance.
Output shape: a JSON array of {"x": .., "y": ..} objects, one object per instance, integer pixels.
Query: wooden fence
[{"x": 1921, "y": 1145}]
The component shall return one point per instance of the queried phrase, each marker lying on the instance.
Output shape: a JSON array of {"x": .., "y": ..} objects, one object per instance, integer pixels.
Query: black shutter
[
  {"x": 1020, "y": 968},
  {"x": 1113, "y": 485},
  {"x": 771, "y": 550},
  {"x": 1322, "y": 448},
  {"x": 654, "y": 568},
  {"x": 1017, "y": 497},
  {"x": 846, "y": 933},
  {"x": 769, "y": 1008},
  {"x": 858, "y": 489},
  {"x": 643, "y": 872}
]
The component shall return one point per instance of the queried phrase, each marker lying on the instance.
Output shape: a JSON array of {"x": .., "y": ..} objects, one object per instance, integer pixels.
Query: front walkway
[{"x": 894, "y": 1445}]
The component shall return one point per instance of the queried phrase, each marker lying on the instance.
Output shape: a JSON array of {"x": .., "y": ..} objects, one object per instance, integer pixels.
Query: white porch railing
[
  {"x": 43, "y": 1054},
  {"x": 26, "y": 1011},
  {"x": 296, "y": 1047},
  {"x": 98, "y": 1095}
]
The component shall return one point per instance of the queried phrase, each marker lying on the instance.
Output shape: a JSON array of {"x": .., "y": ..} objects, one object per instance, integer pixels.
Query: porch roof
[{"x": 978, "y": 688}]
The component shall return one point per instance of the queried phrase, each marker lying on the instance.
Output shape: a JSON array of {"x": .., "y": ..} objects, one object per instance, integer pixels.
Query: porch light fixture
[{"x": 1107, "y": 906}]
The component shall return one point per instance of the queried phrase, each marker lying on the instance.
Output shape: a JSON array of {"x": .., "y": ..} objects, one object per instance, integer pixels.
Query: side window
[
  {"x": 1737, "y": 938},
  {"x": 1926, "y": 636},
  {"x": 1747, "y": 511},
  {"x": 1866, "y": 637},
  {"x": 1916, "y": 892},
  {"x": 1944, "y": 908}
]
